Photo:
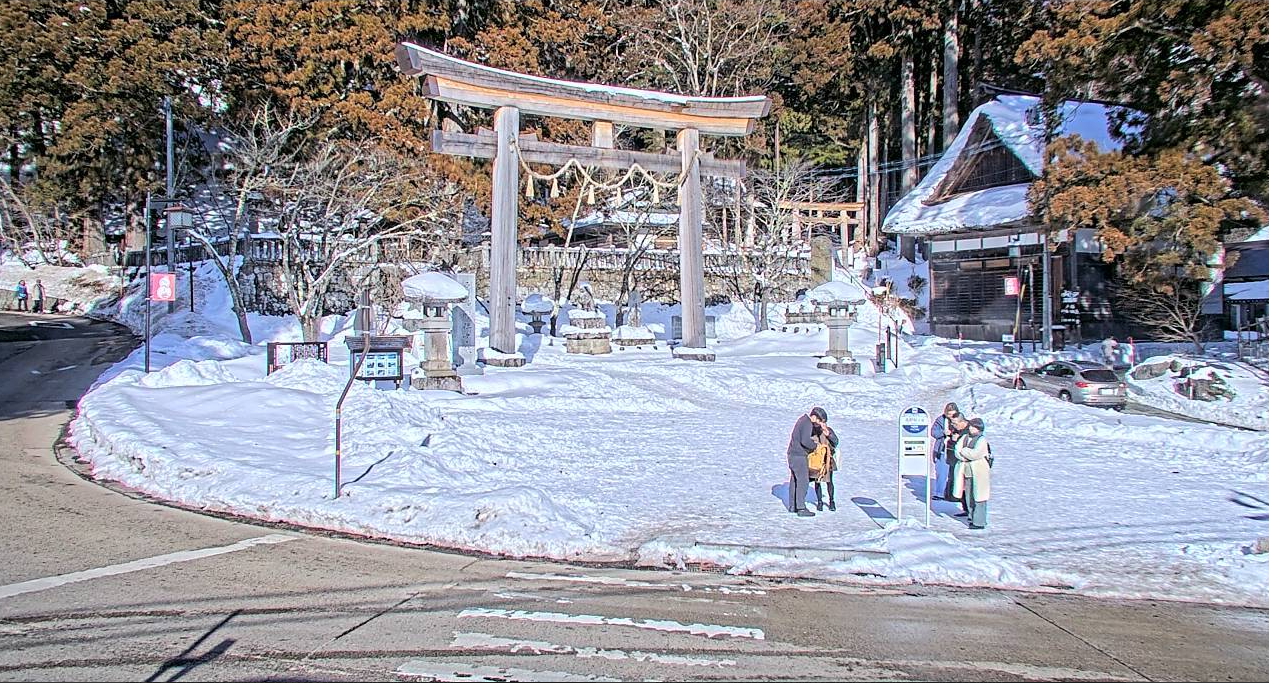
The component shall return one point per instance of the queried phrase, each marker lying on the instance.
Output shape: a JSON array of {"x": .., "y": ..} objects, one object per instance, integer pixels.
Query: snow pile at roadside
[
  {"x": 263, "y": 448},
  {"x": 76, "y": 290},
  {"x": 901, "y": 552},
  {"x": 987, "y": 361},
  {"x": 1160, "y": 380}
]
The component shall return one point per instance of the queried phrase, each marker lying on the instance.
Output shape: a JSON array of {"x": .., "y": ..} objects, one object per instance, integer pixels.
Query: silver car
[{"x": 1083, "y": 382}]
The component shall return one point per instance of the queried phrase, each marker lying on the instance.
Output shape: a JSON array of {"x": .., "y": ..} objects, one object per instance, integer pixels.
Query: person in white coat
[{"x": 972, "y": 479}]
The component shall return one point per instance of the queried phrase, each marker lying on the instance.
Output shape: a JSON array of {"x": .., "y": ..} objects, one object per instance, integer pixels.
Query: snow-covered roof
[
  {"x": 1009, "y": 117},
  {"x": 433, "y": 287},
  {"x": 1257, "y": 290}
]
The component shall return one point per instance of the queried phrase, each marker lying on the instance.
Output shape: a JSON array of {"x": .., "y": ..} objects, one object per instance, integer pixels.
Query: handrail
[{"x": 339, "y": 408}]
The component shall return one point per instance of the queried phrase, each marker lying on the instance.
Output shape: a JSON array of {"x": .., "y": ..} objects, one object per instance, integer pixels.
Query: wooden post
[
  {"x": 844, "y": 217},
  {"x": 602, "y": 135},
  {"x": 691, "y": 266},
  {"x": 505, "y": 210}
]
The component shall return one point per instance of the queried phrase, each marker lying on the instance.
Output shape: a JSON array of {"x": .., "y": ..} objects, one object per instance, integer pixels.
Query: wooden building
[{"x": 984, "y": 246}]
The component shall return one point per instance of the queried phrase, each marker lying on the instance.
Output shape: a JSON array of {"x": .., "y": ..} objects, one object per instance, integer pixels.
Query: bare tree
[
  {"x": 336, "y": 205},
  {"x": 1172, "y": 310},
  {"x": 265, "y": 146},
  {"x": 636, "y": 219},
  {"x": 706, "y": 47},
  {"x": 772, "y": 262}
]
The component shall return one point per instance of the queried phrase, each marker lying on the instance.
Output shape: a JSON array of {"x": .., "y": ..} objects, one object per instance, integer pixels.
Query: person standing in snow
[
  {"x": 21, "y": 294},
  {"x": 1110, "y": 351},
  {"x": 973, "y": 480},
  {"x": 38, "y": 304},
  {"x": 959, "y": 425},
  {"x": 941, "y": 434},
  {"x": 801, "y": 442},
  {"x": 825, "y": 476}
]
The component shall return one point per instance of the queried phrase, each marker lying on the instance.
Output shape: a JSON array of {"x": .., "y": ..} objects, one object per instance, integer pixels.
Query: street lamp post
[
  {"x": 180, "y": 218},
  {"x": 147, "y": 281}
]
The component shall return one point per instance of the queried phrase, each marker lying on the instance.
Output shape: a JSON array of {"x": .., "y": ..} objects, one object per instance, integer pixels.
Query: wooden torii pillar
[{"x": 509, "y": 93}]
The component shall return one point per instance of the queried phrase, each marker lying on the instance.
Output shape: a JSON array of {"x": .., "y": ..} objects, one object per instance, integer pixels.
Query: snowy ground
[{"x": 636, "y": 457}]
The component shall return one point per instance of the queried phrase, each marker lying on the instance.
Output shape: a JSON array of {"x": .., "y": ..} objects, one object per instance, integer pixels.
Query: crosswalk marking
[
  {"x": 137, "y": 565},
  {"x": 707, "y": 630}
]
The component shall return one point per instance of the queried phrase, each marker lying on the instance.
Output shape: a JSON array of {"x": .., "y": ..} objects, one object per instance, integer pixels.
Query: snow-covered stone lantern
[
  {"x": 587, "y": 330},
  {"x": 536, "y": 306},
  {"x": 842, "y": 301},
  {"x": 432, "y": 294}
]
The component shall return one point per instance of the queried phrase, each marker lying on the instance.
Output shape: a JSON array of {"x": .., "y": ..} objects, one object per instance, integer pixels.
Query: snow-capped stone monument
[
  {"x": 432, "y": 294},
  {"x": 536, "y": 306},
  {"x": 587, "y": 330},
  {"x": 842, "y": 301},
  {"x": 633, "y": 333}
]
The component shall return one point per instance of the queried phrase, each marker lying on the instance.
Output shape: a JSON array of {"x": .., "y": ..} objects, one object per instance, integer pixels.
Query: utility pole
[
  {"x": 1047, "y": 286},
  {"x": 171, "y": 188},
  {"x": 147, "y": 282}
]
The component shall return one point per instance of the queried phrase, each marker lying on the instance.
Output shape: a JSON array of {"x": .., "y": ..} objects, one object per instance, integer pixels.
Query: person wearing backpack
[
  {"x": 802, "y": 443},
  {"x": 21, "y": 295},
  {"x": 973, "y": 472}
]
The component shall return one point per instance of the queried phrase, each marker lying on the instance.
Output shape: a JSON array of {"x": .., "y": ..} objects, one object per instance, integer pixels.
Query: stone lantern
[
  {"x": 842, "y": 301},
  {"x": 536, "y": 306},
  {"x": 432, "y": 295}
]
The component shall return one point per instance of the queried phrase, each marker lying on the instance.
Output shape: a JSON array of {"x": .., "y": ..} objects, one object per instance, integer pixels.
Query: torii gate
[{"x": 456, "y": 81}]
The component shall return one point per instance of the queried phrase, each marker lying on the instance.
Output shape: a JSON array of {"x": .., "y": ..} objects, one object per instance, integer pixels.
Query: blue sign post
[{"x": 914, "y": 454}]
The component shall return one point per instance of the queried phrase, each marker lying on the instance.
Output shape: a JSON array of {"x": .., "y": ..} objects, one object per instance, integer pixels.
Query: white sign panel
[{"x": 914, "y": 454}]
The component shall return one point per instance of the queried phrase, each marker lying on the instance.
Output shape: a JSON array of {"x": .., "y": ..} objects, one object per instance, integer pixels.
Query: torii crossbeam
[{"x": 456, "y": 81}]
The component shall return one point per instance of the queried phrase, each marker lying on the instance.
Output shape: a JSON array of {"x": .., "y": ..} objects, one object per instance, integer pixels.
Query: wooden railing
[
  {"x": 617, "y": 259},
  {"x": 268, "y": 249}
]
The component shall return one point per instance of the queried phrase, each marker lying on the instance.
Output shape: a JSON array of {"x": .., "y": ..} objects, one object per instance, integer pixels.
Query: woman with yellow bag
[
  {"x": 822, "y": 463},
  {"x": 809, "y": 434}
]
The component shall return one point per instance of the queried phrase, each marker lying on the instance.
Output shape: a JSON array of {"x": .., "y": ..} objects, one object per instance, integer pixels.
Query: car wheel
[
  {"x": 1118, "y": 409},
  {"x": 1019, "y": 384},
  {"x": 1065, "y": 395}
]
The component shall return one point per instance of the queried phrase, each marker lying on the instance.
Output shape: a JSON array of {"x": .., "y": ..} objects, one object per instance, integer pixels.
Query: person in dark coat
[
  {"x": 20, "y": 294},
  {"x": 801, "y": 442},
  {"x": 941, "y": 434}
]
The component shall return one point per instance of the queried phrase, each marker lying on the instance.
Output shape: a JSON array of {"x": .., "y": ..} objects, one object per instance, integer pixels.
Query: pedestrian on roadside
[
  {"x": 801, "y": 442},
  {"x": 974, "y": 481},
  {"x": 38, "y": 302},
  {"x": 21, "y": 294},
  {"x": 1110, "y": 351},
  {"x": 941, "y": 436},
  {"x": 827, "y": 440}
]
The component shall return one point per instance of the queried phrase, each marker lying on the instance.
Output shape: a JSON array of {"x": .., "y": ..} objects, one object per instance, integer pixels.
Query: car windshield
[{"x": 1100, "y": 376}]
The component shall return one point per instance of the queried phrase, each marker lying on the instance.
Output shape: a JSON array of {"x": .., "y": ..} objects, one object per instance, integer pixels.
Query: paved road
[{"x": 96, "y": 585}]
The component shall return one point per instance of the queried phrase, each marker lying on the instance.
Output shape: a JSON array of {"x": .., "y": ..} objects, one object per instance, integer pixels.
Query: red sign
[
  {"x": 1012, "y": 286},
  {"x": 163, "y": 286}
]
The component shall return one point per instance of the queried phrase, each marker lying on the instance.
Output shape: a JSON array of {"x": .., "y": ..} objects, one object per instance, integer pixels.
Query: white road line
[
  {"x": 708, "y": 630},
  {"x": 449, "y": 671},
  {"x": 137, "y": 565},
  {"x": 629, "y": 583},
  {"x": 487, "y": 642}
]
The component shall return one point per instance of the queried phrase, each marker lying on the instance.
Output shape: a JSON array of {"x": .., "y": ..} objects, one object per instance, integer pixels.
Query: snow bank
[
  {"x": 1248, "y": 406},
  {"x": 633, "y": 457}
]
